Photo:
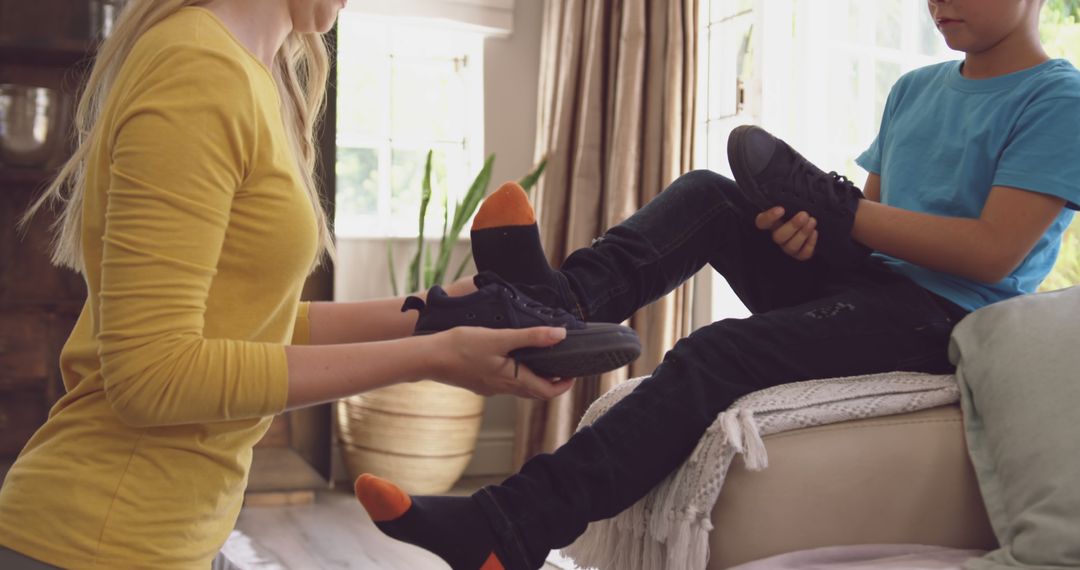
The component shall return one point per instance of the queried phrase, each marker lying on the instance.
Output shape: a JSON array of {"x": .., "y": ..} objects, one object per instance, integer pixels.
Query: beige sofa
[{"x": 903, "y": 479}]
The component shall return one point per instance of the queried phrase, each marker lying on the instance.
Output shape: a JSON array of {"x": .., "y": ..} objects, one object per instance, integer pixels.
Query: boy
[{"x": 971, "y": 175}]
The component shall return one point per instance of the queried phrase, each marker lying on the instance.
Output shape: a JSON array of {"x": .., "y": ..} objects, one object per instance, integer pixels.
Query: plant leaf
[
  {"x": 464, "y": 210},
  {"x": 429, "y": 270},
  {"x": 461, "y": 268},
  {"x": 472, "y": 198},
  {"x": 425, "y": 198},
  {"x": 533, "y": 177},
  {"x": 390, "y": 261}
]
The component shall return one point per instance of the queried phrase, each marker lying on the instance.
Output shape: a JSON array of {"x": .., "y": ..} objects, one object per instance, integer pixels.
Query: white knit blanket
[{"x": 669, "y": 528}]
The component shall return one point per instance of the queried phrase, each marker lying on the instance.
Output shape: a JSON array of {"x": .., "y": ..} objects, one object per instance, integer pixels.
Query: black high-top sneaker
[
  {"x": 770, "y": 173},
  {"x": 589, "y": 348}
]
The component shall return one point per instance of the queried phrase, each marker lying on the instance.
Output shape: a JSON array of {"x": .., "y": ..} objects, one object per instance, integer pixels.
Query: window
[
  {"x": 847, "y": 54},
  {"x": 404, "y": 88},
  {"x": 815, "y": 72},
  {"x": 818, "y": 72}
]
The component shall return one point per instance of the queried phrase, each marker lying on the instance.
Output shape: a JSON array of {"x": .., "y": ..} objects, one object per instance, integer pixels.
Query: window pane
[
  {"x": 862, "y": 18},
  {"x": 362, "y": 89},
  {"x": 841, "y": 17},
  {"x": 406, "y": 176},
  {"x": 730, "y": 46},
  {"x": 722, "y": 9},
  {"x": 448, "y": 176},
  {"x": 887, "y": 74},
  {"x": 357, "y": 182},
  {"x": 930, "y": 40},
  {"x": 843, "y": 100},
  {"x": 890, "y": 23},
  {"x": 448, "y": 173},
  {"x": 428, "y": 100}
]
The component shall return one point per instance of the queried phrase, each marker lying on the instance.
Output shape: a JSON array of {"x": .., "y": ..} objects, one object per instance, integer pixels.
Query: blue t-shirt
[{"x": 946, "y": 140}]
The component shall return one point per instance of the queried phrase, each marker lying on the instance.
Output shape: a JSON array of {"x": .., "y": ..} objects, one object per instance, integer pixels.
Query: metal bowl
[{"x": 31, "y": 129}]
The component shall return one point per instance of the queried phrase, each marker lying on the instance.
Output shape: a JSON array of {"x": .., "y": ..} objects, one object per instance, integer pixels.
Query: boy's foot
[
  {"x": 506, "y": 241},
  {"x": 771, "y": 173},
  {"x": 454, "y": 528},
  {"x": 589, "y": 348}
]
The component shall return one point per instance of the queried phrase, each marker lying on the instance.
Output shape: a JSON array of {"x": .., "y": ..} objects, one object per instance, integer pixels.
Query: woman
[{"x": 191, "y": 209}]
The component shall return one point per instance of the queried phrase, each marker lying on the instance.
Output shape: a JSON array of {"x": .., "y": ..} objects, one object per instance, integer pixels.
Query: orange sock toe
[
  {"x": 492, "y": 563},
  {"x": 383, "y": 500},
  {"x": 507, "y": 206}
]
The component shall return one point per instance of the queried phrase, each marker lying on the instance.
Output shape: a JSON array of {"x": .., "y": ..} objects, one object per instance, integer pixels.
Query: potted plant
[{"x": 421, "y": 435}]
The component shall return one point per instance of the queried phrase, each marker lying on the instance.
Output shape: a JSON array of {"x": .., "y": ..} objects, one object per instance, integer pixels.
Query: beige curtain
[{"x": 616, "y": 122}]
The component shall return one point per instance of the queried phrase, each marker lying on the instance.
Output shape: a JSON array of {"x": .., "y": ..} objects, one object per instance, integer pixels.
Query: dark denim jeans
[
  {"x": 809, "y": 321},
  {"x": 11, "y": 560}
]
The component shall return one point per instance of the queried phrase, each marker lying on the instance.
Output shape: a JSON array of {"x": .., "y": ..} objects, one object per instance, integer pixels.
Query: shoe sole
[
  {"x": 744, "y": 180},
  {"x": 598, "y": 348}
]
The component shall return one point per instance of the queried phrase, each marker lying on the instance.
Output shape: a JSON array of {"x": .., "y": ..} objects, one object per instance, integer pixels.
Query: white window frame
[{"x": 469, "y": 55}]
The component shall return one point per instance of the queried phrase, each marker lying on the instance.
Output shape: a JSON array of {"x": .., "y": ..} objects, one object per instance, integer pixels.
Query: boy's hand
[{"x": 797, "y": 237}]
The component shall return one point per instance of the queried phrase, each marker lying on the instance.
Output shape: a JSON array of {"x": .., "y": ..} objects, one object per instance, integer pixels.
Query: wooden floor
[{"x": 333, "y": 533}]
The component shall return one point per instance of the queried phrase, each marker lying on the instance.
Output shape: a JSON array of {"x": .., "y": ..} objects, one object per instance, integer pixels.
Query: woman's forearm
[
  {"x": 363, "y": 321},
  {"x": 368, "y": 321},
  {"x": 320, "y": 374}
]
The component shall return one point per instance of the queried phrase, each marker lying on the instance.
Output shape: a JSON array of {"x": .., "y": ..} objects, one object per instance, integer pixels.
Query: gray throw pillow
[{"x": 1018, "y": 363}]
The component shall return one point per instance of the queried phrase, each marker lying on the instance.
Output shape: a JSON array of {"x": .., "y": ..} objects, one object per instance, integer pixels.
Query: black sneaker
[
  {"x": 589, "y": 348},
  {"x": 771, "y": 173}
]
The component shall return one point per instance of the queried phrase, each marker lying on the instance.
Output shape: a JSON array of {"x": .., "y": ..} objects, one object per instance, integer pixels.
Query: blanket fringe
[
  {"x": 741, "y": 434},
  {"x": 755, "y": 456}
]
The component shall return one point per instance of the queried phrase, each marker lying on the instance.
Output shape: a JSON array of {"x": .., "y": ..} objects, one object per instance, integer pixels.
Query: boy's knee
[
  {"x": 707, "y": 179},
  {"x": 704, "y": 189}
]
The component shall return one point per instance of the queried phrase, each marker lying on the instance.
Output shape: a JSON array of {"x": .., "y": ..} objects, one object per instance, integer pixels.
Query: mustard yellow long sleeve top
[{"x": 197, "y": 236}]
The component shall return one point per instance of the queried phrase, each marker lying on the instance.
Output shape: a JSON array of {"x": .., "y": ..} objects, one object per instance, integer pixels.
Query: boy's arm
[
  {"x": 872, "y": 188},
  {"x": 985, "y": 249}
]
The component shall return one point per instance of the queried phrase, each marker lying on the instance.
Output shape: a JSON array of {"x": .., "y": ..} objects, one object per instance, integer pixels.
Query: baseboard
[{"x": 494, "y": 454}]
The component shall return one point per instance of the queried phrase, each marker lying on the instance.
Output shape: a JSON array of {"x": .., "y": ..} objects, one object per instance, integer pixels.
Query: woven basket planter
[{"x": 419, "y": 435}]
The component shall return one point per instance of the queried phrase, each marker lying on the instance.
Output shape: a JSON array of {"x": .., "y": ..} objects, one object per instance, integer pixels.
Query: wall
[{"x": 511, "y": 76}]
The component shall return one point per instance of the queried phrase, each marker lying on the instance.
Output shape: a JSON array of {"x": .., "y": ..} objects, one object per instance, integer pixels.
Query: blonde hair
[{"x": 300, "y": 70}]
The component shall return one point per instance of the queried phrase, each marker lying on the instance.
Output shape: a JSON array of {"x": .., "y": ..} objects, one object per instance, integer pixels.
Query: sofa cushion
[
  {"x": 1018, "y": 363},
  {"x": 894, "y": 479}
]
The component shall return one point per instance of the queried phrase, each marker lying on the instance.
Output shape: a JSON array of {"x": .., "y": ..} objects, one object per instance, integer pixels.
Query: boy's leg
[
  {"x": 701, "y": 218},
  {"x": 877, "y": 327},
  {"x": 881, "y": 322}
]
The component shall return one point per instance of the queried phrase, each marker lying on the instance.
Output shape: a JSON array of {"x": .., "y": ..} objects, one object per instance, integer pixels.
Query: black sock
[
  {"x": 513, "y": 253},
  {"x": 454, "y": 528}
]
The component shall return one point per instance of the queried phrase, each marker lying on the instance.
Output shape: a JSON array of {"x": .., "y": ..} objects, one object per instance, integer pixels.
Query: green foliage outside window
[{"x": 1060, "y": 29}]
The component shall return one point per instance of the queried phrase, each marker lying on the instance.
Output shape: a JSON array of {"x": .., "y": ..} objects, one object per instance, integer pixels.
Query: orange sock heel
[
  {"x": 492, "y": 563},
  {"x": 383, "y": 500},
  {"x": 454, "y": 528}
]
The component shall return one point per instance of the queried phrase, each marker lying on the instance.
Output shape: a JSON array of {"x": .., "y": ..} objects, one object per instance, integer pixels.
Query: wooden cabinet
[
  {"x": 42, "y": 44},
  {"x": 45, "y": 43}
]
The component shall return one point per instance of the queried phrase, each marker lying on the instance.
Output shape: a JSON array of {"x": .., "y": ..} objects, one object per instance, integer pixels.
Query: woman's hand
[
  {"x": 476, "y": 359},
  {"x": 797, "y": 237}
]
